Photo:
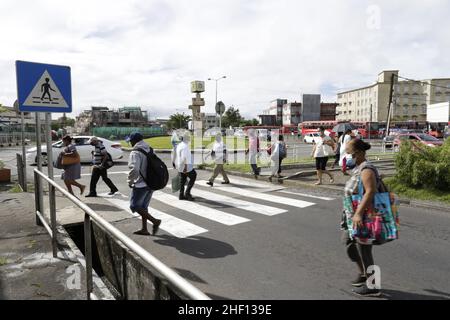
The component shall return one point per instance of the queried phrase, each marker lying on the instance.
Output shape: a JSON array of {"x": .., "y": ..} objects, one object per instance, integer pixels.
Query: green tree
[
  {"x": 178, "y": 121},
  {"x": 231, "y": 118},
  {"x": 249, "y": 123}
]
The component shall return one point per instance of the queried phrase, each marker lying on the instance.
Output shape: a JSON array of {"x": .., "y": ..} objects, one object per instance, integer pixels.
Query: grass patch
[
  {"x": 164, "y": 142},
  {"x": 420, "y": 194},
  {"x": 16, "y": 189}
]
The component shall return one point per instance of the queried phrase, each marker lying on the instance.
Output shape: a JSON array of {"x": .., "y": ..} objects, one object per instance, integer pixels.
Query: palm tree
[{"x": 178, "y": 121}]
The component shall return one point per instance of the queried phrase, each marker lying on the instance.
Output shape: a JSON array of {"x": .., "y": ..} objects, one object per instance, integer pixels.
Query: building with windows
[
  {"x": 310, "y": 109},
  {"x": 276, "y": 109},
  {"x": 292, "y": 113},
  {"x": 410, "y": 99},
  {"x": 105, "y": 117},
  {"x": 328, "y": 111},
  {"x": 210, "y": 120}
]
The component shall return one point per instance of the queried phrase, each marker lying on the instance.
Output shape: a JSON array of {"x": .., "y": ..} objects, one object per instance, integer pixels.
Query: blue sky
[{"x": 147, "y": 52}]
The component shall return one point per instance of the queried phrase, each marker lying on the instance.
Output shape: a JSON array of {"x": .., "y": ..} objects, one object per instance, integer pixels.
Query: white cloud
[{"x": 147, "y": 52}]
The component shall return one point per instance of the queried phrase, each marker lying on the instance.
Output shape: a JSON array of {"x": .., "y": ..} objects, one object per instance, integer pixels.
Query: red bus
[
  {"x": 289, "y": 130},
  {"x": 363, "y": 129},
  {"x": 308, "y": 127}
]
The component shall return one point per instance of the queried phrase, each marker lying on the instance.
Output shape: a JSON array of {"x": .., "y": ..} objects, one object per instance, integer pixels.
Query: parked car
[
  {"x": 311, "y": 138},
  {"x": 389, "y": 141},
  {"x": 84, "y": 149},
  {"x": 422, "y": 138}
]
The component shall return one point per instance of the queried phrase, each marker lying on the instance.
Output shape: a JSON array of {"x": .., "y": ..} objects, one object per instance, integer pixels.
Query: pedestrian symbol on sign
[
  {"x": 45, "y": 92},
  {"x": 45, "y": 87}
]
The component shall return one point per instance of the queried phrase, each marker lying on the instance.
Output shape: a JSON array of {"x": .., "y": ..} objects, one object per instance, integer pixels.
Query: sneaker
[
  {"x": 226, "y": 182},
  {"x": 189, "y": 198},
  {"x": 359, "y": 281},
  {"x": 156, "y": 227},
  {"x": 363, "y": 291},
  {"x": 91, "y": 195},
  {"x": 209, "y": 183},
  {"x": 112, "y": 193},
  {"x": 182, "y": 198}
]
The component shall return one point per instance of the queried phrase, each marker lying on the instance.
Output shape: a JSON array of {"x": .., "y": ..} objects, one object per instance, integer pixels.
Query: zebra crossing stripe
[
  {"x": 307, "y": 195},
  {"x": 199, "y": 210},
  {"x": 267, "y": 197},
  {"x": 251, "y": 183},
  {"x": 236, "y": 203},
  {"x": 176, "y": 227}
]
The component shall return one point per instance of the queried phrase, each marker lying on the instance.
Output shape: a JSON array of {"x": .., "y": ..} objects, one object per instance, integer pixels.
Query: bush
[{"x": 424, "y": 167}]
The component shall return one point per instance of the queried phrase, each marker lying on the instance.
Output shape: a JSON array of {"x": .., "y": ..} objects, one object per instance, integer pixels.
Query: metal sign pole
[
  {"x": 24, "y": 158},
  {"x": 38, "y": 185},
  {"x": 51, "y": 188}
]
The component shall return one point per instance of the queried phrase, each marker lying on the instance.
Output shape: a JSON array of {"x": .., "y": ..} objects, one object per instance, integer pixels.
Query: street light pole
[{"x": 217, "y": 80}]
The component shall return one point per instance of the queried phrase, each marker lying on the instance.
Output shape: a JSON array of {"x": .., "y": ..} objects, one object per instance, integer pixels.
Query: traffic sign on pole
[{"x": 43, "y": 87}]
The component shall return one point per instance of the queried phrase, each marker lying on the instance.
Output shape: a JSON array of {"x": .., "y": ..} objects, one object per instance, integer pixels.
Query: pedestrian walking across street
[
  {"x": 358, "y": 252},
  {"x": 344, "y": 156},
  {"x": 72, "y": 171},
  {"x": 322, "y": 150},
  {"x": 253, "y": 151},
  {"x": 141, "y": 193},
  {"x": 100, "y": 168},
  {"x": 185, "y": 167},
  {"x": 219, "y": 153},
  {"x": 278, "y": 152}
]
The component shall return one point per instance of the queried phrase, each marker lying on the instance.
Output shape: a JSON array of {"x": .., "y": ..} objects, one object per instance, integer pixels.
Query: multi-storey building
[
  {"x": 410, "y": 99},
  {"x": 292, "y": 113},
  {"x": 104, "y": 117}
]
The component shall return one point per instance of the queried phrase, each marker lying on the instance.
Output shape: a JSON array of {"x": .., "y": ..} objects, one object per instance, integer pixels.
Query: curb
[{"x": 290, "y": 183}]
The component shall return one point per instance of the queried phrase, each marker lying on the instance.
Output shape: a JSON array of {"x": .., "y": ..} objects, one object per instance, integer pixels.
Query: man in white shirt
[
  {"x": 321, "y": 152},
  {"x": 219, "y": 154},
  {"x": 185, "y": 167},
  {"x": 141, "y": 194}
]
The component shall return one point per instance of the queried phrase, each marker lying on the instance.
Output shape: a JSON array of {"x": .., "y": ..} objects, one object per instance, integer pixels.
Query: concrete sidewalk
[{"x": 28, "y": 270}]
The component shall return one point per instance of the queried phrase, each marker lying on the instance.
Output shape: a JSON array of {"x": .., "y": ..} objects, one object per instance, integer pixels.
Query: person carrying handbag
[
  {"x": 70, "y": 161},
  {"x": 361, "y": 213}
]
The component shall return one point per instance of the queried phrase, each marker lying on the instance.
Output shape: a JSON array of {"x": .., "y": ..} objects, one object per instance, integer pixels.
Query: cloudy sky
[{"x": 145, "y": 52}]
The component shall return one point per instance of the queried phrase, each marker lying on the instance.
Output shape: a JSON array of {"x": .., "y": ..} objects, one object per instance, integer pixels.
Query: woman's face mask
[{"x": 351, "y": 163}]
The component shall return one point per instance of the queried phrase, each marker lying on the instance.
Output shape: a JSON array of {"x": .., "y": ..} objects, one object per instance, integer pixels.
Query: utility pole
[
  {"x": 391, "y": 95},
  {"x": 370, "y": 121}
]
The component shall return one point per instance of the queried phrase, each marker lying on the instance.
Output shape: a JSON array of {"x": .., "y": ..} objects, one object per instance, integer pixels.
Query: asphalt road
[{"x": 235, "y": 243}]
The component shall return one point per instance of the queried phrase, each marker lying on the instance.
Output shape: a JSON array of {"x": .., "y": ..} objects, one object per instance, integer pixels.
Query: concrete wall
[{"x": 129, "y": 275}]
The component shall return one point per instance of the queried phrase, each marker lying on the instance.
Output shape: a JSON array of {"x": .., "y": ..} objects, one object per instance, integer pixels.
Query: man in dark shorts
[
  {"x": 322, "y": 150},
  {"x": 141, "y": 194}
]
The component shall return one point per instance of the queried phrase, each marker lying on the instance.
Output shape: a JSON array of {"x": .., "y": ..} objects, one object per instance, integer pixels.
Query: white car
[
  {"x": 83, "y": 148},
  {"x": 311, "y": 138}
]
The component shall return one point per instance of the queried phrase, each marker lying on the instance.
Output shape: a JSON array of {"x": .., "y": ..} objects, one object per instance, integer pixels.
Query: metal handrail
[{"x": 171, "y": 276}]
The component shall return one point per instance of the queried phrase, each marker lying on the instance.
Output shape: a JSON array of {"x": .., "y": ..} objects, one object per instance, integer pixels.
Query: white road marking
[
  {"x": 247, "y": 182},
  {"x": 307, "y": 195},
  {"x": 267, "y": 197},
  {"x": 118, "y": 172},
  {"x": 176, "y": 227},
  {"x": 236, "y": 203},
  {"x": 199, "y": 210}
]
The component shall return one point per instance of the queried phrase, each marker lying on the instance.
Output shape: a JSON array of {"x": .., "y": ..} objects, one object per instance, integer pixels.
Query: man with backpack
[
  {"x": 102, "y": 162},
  {"x": 141, "y": 193},
  {"x": 278, "y": 152},
  {"x": 185, "y": 167}
]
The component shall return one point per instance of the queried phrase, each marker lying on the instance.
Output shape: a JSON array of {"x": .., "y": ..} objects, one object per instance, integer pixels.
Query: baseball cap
[{"x": 135, "y": 136}]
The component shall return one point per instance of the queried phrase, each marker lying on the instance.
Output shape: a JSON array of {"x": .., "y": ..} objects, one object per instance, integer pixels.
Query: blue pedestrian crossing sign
[{"x": 43, "y": 87}]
